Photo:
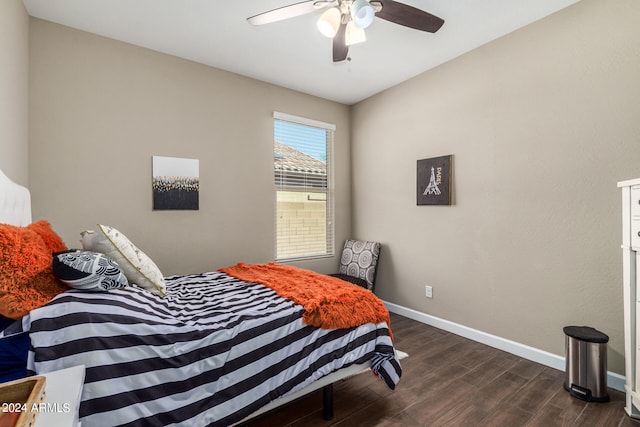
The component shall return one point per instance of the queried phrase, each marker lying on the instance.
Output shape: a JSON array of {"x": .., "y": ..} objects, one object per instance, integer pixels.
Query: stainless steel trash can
[{"x": 586, "y": 363}]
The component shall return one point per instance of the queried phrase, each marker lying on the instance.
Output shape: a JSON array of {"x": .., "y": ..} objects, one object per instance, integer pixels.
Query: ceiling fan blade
[
  {"x": 409, "y": 16},
  {"x": 340, "y": 48},
  {"x": 287, "y": 12}
]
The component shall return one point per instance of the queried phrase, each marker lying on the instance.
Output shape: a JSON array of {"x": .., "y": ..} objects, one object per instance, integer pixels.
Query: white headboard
[{"x": 15, "y": 202}]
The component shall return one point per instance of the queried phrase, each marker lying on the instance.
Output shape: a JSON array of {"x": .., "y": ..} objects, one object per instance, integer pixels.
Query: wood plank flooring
[{"x": 452, "y": 381}]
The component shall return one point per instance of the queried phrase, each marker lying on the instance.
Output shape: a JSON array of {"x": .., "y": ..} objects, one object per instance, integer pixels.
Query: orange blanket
[{"x": 329, "y": 303}]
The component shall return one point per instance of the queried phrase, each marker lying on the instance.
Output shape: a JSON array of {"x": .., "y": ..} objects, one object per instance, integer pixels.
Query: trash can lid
[{"x": 586, "y": 333}]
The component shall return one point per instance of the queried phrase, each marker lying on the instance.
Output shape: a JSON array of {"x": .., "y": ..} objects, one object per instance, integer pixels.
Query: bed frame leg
[{"x": 327, "y": 402}]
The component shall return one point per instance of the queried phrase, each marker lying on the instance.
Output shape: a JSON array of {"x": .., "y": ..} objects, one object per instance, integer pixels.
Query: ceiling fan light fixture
[
  {"x": 354, "y": 34},
  {"x": 362, "y": 13},
  {"x": 329, "y": 22}
]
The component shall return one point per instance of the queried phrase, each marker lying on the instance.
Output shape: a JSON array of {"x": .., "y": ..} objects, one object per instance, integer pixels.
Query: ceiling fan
[{"x": 345, "y": 20}]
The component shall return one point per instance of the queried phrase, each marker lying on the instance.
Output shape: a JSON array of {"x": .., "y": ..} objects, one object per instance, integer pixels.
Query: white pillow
[{"x": 136, "y": 265}]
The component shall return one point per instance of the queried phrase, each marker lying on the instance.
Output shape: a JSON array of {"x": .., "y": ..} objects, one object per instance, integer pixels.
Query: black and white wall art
[
  {"x": 176, "y": 183},
  {"x": 434, "y": 181}
]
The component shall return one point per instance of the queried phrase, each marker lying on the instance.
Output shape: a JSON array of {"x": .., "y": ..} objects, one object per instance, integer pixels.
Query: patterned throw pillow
[
  {"x": 359, "y": 259},
  {"x": 135, "y": 264},
  {"x": 89, "y": 271}
]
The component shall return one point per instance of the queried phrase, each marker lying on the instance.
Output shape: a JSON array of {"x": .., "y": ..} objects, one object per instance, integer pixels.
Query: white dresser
[{"x": 631, "y": 282}]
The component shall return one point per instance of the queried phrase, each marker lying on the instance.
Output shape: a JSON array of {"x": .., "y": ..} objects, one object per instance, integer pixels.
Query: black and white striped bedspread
[{"x": 212, "y": 352}]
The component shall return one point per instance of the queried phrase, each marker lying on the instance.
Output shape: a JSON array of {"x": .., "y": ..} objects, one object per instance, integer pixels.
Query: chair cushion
[
  {"x": 359, "y": 259},
  {"x": 354, "y": 280}
]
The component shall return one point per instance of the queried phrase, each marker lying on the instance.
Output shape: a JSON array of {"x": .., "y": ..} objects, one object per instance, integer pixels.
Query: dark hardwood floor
[{"x": 452, "y": 381}]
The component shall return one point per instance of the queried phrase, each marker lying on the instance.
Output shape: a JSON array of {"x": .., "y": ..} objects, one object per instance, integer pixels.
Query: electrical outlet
[{"x": 429, "y": 291}]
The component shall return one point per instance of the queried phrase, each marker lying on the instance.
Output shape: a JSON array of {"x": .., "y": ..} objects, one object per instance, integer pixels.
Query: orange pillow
[
  {"x": 51, "y": 239},
  {"x": 26, "y": 275}
]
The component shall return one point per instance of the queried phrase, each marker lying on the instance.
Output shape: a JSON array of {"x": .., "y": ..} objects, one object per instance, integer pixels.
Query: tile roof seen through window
[{"x": 288, "y": 159}]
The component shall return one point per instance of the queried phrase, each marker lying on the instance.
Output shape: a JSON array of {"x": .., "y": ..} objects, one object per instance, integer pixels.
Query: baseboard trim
[{"x": 615, "y": 381}]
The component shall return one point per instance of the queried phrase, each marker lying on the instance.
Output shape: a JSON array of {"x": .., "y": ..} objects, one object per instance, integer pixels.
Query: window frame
[{"x": 330, "y": 129}]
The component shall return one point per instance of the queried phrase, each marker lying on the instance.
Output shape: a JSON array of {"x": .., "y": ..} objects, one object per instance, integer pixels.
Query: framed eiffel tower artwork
[{"x": 434, "y": 181}]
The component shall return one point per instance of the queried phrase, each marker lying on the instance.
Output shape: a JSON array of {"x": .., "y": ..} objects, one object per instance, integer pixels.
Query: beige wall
[
  {"x": 542, "y": 124},
  {"x": 14, "y": 90},
  {"x": 100, "y": 109}
]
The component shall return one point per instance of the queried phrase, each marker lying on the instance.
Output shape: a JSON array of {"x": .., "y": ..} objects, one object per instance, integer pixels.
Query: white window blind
[{"x": 302, "y": 153}]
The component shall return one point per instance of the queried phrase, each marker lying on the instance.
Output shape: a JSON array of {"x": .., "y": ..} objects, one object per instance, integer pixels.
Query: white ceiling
[{"x": 293, "y": 53}]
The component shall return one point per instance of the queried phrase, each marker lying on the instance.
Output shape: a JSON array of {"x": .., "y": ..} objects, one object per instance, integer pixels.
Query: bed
[{"x": 216, "y": 350}]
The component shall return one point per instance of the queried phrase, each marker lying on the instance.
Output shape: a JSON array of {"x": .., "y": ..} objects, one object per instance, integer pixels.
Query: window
[{"x": 302, "y": 150}]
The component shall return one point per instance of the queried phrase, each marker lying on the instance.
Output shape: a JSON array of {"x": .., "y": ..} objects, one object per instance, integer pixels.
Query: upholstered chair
[{"x": 359, "y": 263}]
